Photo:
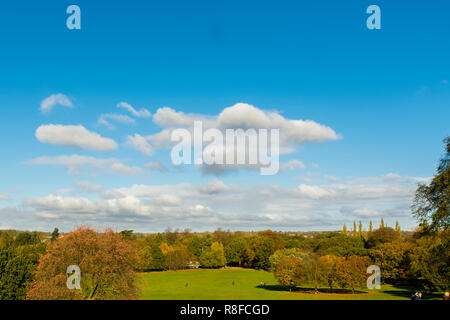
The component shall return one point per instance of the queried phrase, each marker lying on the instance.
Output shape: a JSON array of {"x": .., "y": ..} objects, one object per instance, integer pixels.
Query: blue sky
[{"x": 385, "y": 91}]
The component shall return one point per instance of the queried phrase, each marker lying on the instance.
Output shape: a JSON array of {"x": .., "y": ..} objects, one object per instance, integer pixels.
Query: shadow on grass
[
  {"x": 407, "y": 292},
  {"x": 308, "y": 290}
]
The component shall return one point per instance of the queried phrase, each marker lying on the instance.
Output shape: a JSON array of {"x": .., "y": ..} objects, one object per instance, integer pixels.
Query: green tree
[
  {"x": 393, "y": 260},
  {"x": 55, "y": 234},
  {"x": 158, "y": 261},
  {"x": 279, "y": 254},
  {"x": 177, "y": 257},
  {"x": 25, "y": 238},
  {"x": 430, "y": 260},
  {"x": 344, "y": 229},
  {"x": 17, "y": 267},
  {"x": 234, "y": 251},
  {"x": 431, "y": 203},
  {"x": 214, "y": 256},
  {"x": 258, "y": 252},
  {"x": 128, "y": 234},
  {"x": 197, "y": 245},
  {"x": 382, "y": 235},
  {"x": 339, "y": 245}
]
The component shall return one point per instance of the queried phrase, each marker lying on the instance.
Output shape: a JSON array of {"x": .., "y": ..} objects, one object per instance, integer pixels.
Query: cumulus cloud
[
  {"x": 218, "y": 204},
  {"x": 139, "y": 143},
  {"x": 292, "y": 133},
  {"x": 143, "y": 113},
  {"x": 75, "y": 163},
  {"x": 53, "y": 100},
  {"x": 74, "y": 136}
]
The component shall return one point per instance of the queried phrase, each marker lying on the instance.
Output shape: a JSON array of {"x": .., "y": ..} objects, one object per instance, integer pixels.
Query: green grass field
[{"x": 203, "y": 284}]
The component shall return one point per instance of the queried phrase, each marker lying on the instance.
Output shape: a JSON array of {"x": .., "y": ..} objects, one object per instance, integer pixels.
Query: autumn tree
[
  {"x": 286, "y": 271},
  {"x": 310, "y": 272},
  {"x": 107, "y": 262},
  {"x": 351, "y": 272},
  {"x": 328, "y": 268}
]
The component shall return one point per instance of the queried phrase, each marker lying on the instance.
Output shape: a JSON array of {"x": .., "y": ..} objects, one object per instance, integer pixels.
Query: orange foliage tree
[{"x": 107, "y": 261}]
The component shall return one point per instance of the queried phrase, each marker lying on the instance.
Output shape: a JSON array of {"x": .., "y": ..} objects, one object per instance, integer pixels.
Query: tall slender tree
[{"x": 344, "y": 229}]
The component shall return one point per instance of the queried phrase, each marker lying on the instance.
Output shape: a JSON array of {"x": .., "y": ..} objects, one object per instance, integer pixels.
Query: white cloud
[
  {"x": 143, "y": 113},
  {"x": 398, "y": 178},
  {"x": 313, "y": 192},
  {"x": 5, "y": 197},
  {"x": 120, "y": 118},
  {"x": 75, "y": 163},
  {"x": 167, "y": 117},
  {"x": 139, "y": 143},
  {"x": 215, "y": 187},
  {"x": 292, "y": 165},
  {"x": 120, "y": 168},
  {"x": 217, "y": 204},
  {"x": 55, "y": 99},
  {"x": 158, "y": 166},
  {"x": 88, "y": 187},
  {"x": 293, "y": 133},
  {"x": 74, "y": 136}
]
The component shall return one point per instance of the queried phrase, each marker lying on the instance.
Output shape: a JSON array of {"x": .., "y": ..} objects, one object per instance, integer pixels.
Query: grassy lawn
[{"x": 203, "y": 284}]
